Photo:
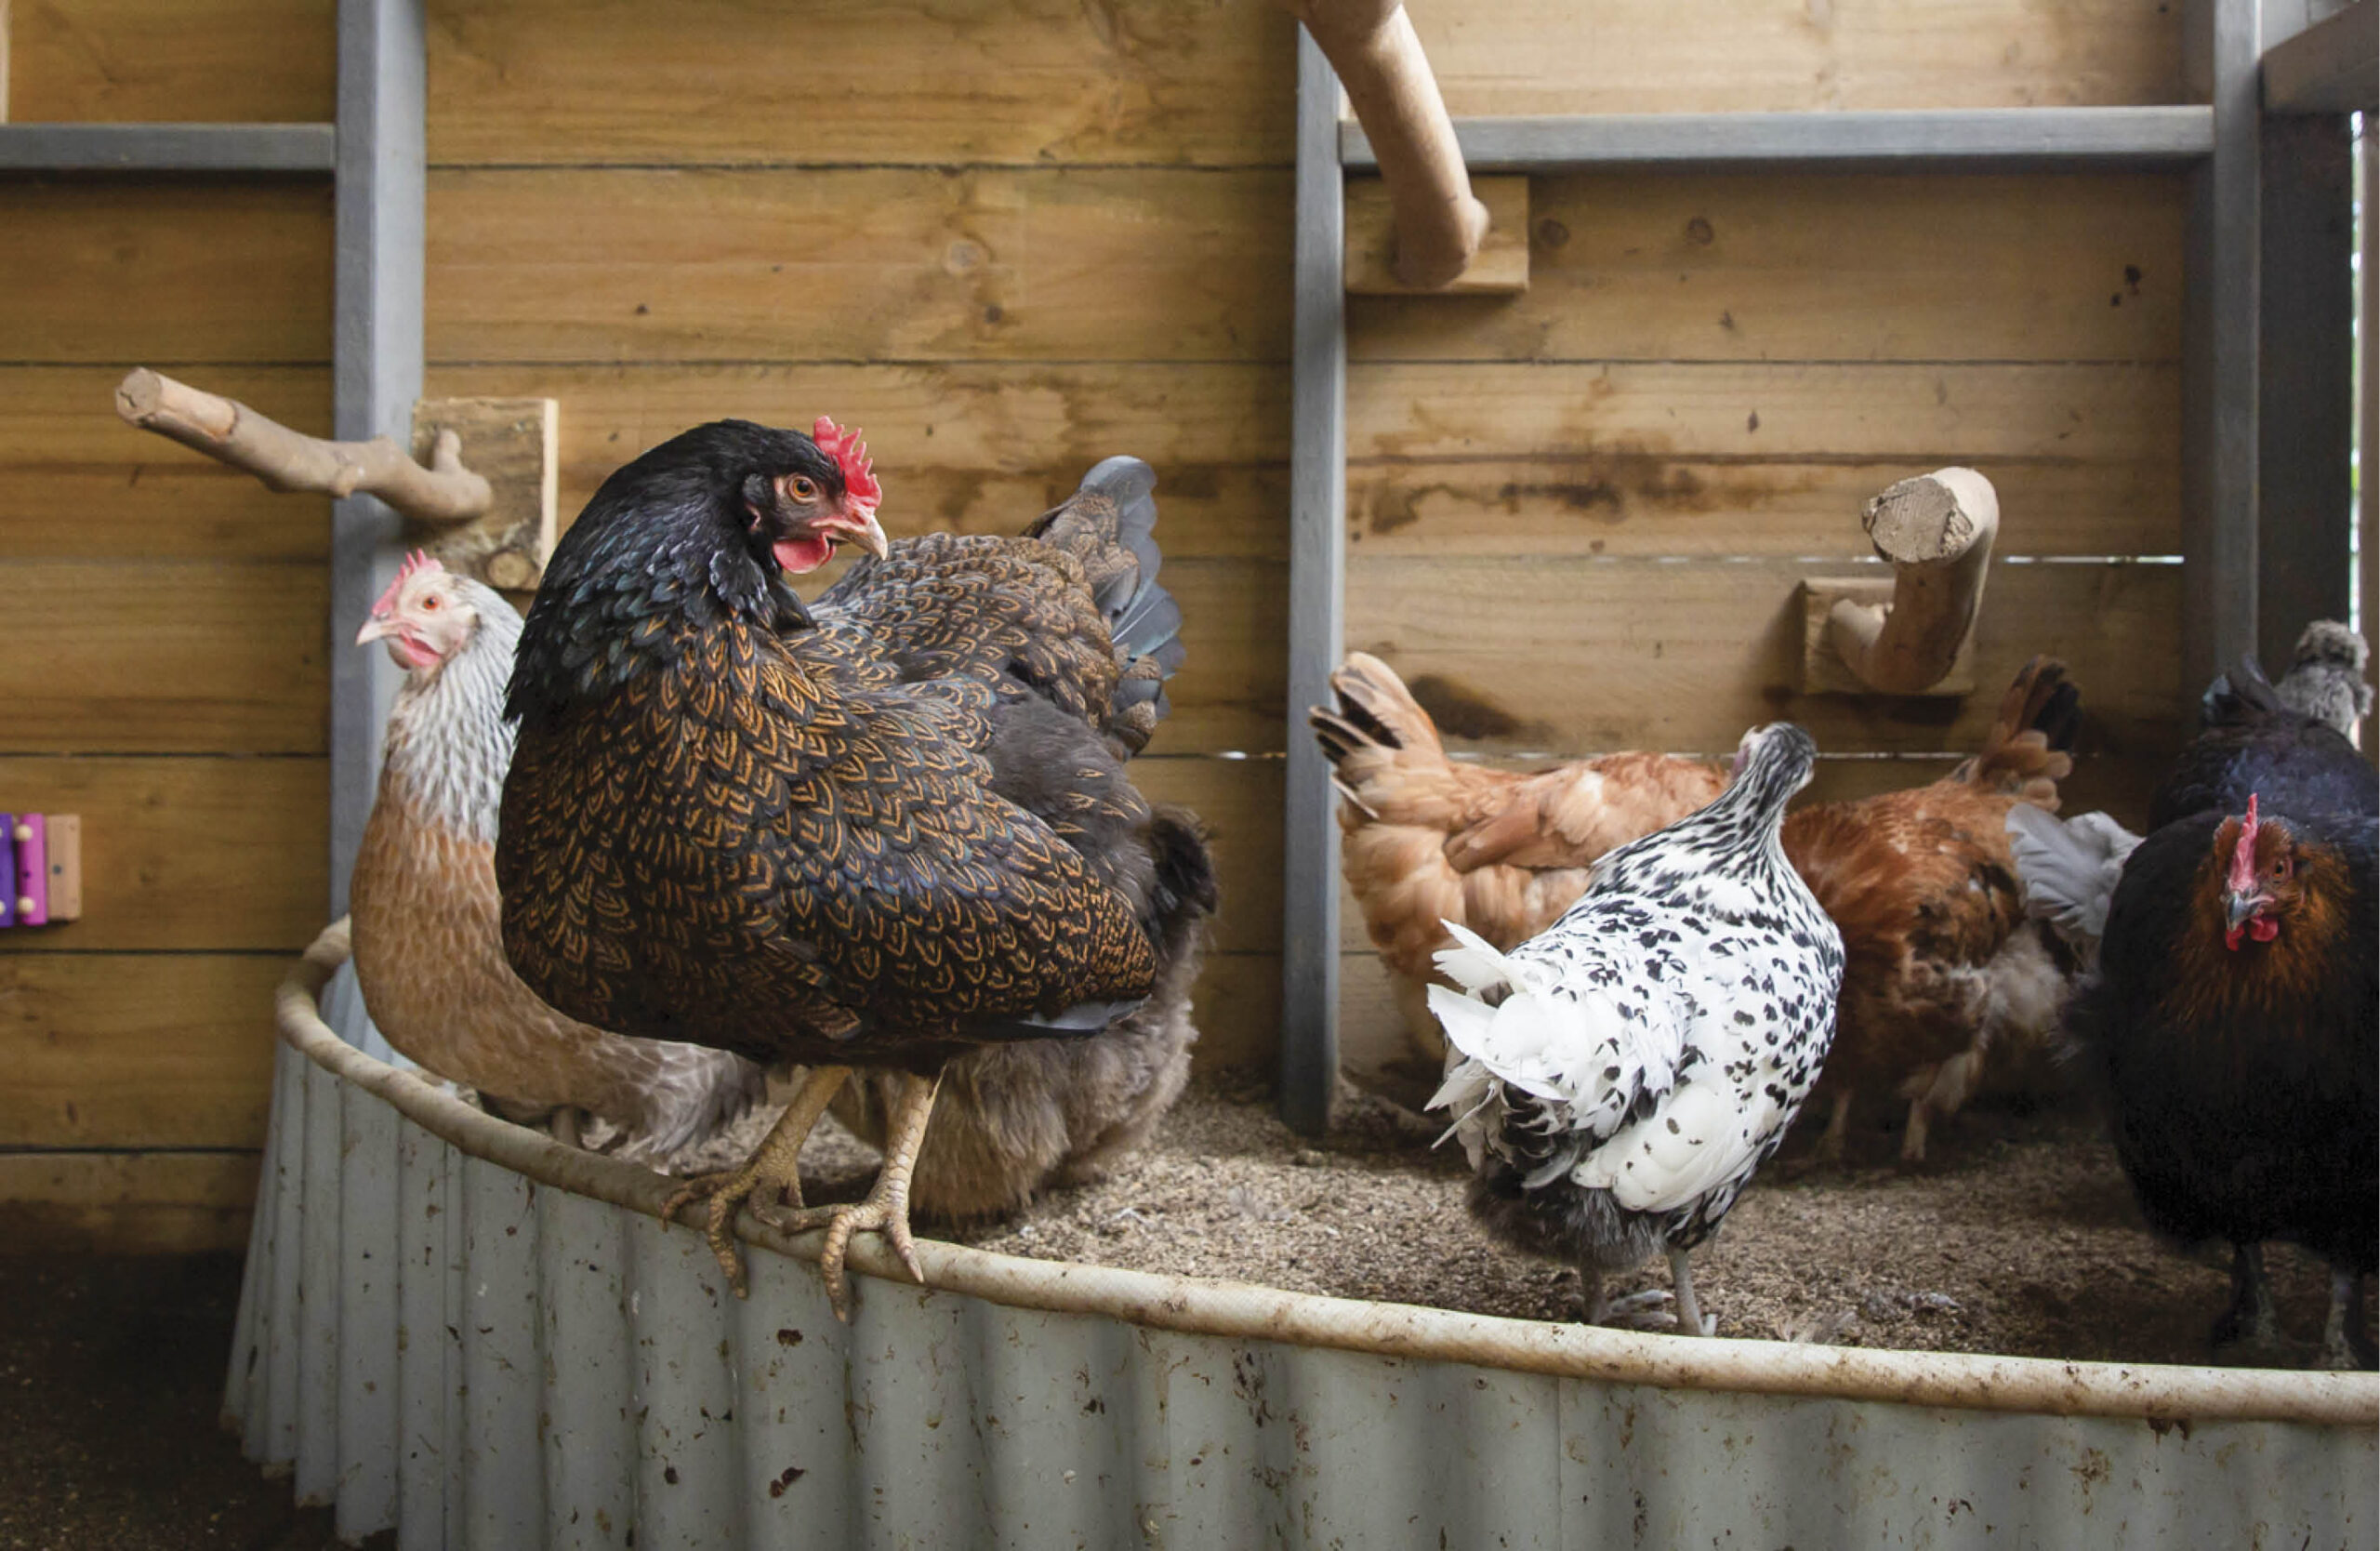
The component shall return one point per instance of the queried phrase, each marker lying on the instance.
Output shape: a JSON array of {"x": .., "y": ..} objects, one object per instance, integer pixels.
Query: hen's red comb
[
  {"x": 849, "y": 455},
  {"x": 415, "y": 563},
  {"x": 2243, "y": 855}
]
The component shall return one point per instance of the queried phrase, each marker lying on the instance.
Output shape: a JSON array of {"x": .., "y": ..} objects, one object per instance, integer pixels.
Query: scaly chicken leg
[
  {"x": 886, "y": 1206},
  {"x": 2345, "y": 1347},
  {"x": 2251, "y": 1320},
  {"x": 776, "y": 1162}
]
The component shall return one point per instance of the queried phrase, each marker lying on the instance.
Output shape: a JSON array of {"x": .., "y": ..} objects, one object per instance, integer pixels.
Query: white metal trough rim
[{"x": 1241, "y": 1311}]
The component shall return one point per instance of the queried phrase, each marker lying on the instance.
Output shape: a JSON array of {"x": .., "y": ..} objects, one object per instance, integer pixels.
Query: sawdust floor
[{"x": 2018, "y": 1237}]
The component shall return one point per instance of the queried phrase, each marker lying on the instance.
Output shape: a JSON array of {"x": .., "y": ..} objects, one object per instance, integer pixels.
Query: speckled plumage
[
  {"x": 428, "y": 954},
  {"x": 1617, "y": 1078}
]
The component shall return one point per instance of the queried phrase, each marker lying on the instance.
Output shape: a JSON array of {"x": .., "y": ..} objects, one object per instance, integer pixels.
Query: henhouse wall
[{"x": 1008, "y": 241}]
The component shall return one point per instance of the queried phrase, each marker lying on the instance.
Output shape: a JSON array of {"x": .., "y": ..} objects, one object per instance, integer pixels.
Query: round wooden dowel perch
[
  {"x": 1371, "y": 44},
  {"x": 1937, "y": 530},
  {"x": 289, "y": 460}
]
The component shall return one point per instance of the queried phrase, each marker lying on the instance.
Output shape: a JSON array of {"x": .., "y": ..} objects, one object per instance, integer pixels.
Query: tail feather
[
  {"x": 2239, "y": 696},
  {"x": 2027, "y": 749},
  {"x": 1374, "y": 709},
  {"x": 1109, "y": 526}
]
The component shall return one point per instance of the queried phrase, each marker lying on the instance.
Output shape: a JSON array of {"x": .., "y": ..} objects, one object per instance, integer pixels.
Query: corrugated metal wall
[{"x": 437, "y": 1342}]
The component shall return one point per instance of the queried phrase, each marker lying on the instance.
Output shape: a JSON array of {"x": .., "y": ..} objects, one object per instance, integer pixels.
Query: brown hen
[{"x": 1940, "y": 962}]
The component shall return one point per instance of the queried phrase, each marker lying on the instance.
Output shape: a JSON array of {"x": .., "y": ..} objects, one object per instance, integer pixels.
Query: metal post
[
  {"x": 2306, "y": 408},
  {"x": 376, "y": 369},
  {"x": 2219, "y": 350},
  {"x": 1317, "y": 571}
]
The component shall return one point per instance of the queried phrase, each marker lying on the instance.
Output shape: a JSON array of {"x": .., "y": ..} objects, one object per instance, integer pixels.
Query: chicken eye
[
  {"x": 804, "y": 489},
  {"x": 431, "y": 604},
  {"x": 2281, "y": 868}
]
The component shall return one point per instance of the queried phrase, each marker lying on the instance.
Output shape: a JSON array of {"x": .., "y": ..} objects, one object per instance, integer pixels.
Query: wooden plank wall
[
  {"x": 1584, "y": 510},
  {"x": 162, "y": 650},
  {"x": 1006, "y": 241}
]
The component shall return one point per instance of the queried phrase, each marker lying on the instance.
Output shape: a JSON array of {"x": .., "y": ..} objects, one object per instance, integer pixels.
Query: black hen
[
  {"x": 875, "y": 832},
  {"x": 2231, "y": 1021},
  {"x": 2250, "y": 741}
]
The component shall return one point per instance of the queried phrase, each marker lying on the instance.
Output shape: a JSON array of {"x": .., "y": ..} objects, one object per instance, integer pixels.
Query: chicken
[
  {"x": 2325, "y": 678},
  {"x": 428, "y": 956},
  {"x": 871, "y": 832},
  {"x": 1012, "y": 1119},
  {"x": 2249, "y": 739},
  {"x": 2231, "y": 1024},
  {"x": 1616, "y": 1079},
  {"x": 1504, "y": 853},
  {"x": 1942, "y": 963}
]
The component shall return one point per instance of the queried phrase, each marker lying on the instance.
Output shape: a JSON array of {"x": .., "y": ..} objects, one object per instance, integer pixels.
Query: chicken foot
[
  {"x": 885, "y": 1210},
  {"x": 776, "y": 1162},
  {"x": 1646, "y": 1310},
  {"x": 2345, "y": 1347},
  {"x": 2251, "y": 1321}
]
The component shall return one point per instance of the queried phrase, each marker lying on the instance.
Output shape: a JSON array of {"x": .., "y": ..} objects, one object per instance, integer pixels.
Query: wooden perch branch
[
  {"x": 1371, "y": 44},
  {"x": 289, "y": 460},
  {"x": 1937, "y": 531}
]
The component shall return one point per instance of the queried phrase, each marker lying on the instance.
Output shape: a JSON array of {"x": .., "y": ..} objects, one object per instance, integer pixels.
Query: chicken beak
[
  {"x": 2239, "y": 908},
  {"x": 867, "y": 534},
  {"x": 377, "y": 627}
]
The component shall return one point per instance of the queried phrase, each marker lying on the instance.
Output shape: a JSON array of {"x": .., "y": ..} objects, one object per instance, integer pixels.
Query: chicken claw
[
  {"x": 776, "y": 1162},
  {"x": 886, "y": 1206}
]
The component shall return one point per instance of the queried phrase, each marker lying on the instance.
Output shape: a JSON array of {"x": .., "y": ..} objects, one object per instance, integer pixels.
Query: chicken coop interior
[{"x": 1967, "y": 383}]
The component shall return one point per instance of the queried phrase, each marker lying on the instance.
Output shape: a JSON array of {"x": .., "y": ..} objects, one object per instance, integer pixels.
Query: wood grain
[
  {"x": 128, "y": 1203},
  {"x": 1543, "y": 654},
  {"x": 1808, "y": 412},
  {"x": 135, "y": 270},
  {"x": 1773, "y": 266},
  {"x": 77, "y": 483},
  {"x": 184, "y": 853},
  {"x": 188, "y": 61},
  {"x": 1622, "y": 499},
  {"x": 1743, "y": 56},
  {"x": 164, "y": 657},
  {"x": 146, "y": 1050},
  {"x": 1238, "y": 1006},
  {"x": 969, "y": 447},
  {"x": 858, "y": 264},
  {"x": 1239, "y": 801},
  {"x": 1030, "y": 82}
]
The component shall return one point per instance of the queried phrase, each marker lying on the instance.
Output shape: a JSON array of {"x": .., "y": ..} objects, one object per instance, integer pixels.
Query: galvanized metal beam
[
  {"x": 2331, "y": 67},
  {"x": 2223, "y": 293},
  {"x": 162, "y": 148},
  {"x": 1309, "y": 1074},
  {"x": 1900, "y": 138},
  {"x": 381, "y": 182},
  {"x": 376, "y": 370},
  {"x": 2306, "y": 392}
]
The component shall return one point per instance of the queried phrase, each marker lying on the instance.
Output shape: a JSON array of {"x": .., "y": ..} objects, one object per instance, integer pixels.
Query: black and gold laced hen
[{"x": 871, "y": 832}]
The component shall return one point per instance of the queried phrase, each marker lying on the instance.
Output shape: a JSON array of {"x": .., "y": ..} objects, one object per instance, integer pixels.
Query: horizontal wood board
[
  {"x": 1746, "y": 56},
  {"x": 148, "y": 1202},
  {"x": 164, "y": 271},
  {"x": 173, "y": 61},
  {"x": 1208, "y": 82},
  {"x": 858, "y": 264},
  {"x": 103, "y": 1049},
  {"x": 78, "y": 484}
]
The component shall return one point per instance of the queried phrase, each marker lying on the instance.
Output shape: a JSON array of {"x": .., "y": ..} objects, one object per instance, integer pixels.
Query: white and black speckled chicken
[{"x": 1617, "y": 1078}]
